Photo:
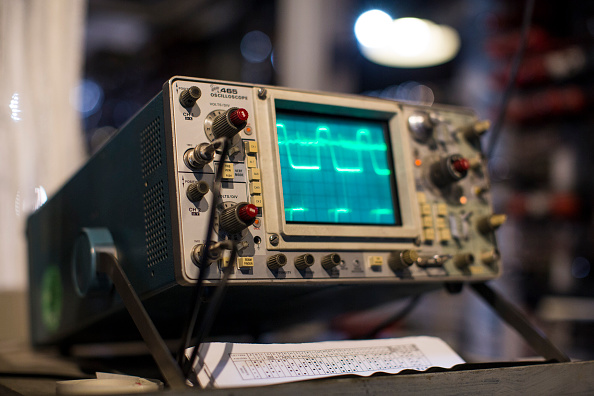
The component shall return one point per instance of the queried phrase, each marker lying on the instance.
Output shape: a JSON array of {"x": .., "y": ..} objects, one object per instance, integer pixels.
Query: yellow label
[
  {"x": 245, "y": 262},
  {"x": 421, "y": 197},
  {"x": 429, "y": 234},
  {"x": 376, "y": 261},
  {"x": 426, "y": 209},
  {"x": 441, "y": 223},
  {"x": 251, "y": 162},
  {"x": 445, "y": 235},
  {"x": 251, "y": 147},
  {"x": 427, "y": 222},
  {"x": 228, "y": 171},
  {"x": 442, "y": 209},
  {"x": 255, "y": 188},
  {"x": 254, "y": 174},
  {"x": 257, "y": 200}
]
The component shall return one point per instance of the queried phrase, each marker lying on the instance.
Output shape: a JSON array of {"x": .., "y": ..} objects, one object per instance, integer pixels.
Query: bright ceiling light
[
  {"x": 372, "y": 28},
  {"x": 405, "y": 42}
]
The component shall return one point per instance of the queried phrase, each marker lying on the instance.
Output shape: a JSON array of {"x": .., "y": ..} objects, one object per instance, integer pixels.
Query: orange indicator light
[
  {"x": 463, "y": 200},
  {"x": 418, "y": 162}
]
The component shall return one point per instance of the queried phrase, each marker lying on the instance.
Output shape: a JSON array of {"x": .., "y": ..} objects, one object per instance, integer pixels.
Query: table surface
[{"x": 26, "y": 372}]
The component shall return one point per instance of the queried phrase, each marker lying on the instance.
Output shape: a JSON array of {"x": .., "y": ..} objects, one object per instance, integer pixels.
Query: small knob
[
  {"x": 196, "y": 191},
  {"x": 238, "y": 217},
  {"x": 277, "y": 261},
  {"x": 402, "y": 259},
  {"x": 420, "y": 126},
  {"x": 304, "y": 261},
  {"x": 188, "y": 97},
  {"x": 475, "y": 130},
  {"x": 489, "y": 257},
  {"x": 488, "y": 224},
  {"x": 448, "y": 170},
  {"x": 330, "y": 261},
  {"x": 229, "y": 123},
  {"x": 463, "y": 260}
]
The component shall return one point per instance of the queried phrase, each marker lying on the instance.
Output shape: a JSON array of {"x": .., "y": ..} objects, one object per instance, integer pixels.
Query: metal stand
[
  {"x": 172, "y": 374},
  {"x": 96, "y": 253},
  {"x": 516, "y": 319}
]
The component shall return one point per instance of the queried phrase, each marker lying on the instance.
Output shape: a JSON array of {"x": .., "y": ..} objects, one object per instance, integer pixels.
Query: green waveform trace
[{"x": 361, "y": 144}]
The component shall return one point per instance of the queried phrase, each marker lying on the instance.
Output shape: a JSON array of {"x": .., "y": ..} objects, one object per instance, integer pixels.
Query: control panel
[{"x": 334, "y": 188}]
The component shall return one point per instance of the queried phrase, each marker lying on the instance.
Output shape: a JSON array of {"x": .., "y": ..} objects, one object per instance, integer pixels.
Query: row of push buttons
[
  {"x": 429, "y": 231},
  {"x": 254, "y": 175}
]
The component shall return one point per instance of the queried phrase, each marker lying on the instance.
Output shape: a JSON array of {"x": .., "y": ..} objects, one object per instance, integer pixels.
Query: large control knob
[
  {"x": 229, "y": 123},
  {"x": 304, "y": 261},
  {"x": 330, "y": 261},
  {"x": 402, "y": 259},
  {"x": 448, "y": 170},
  {"x": 196, "y": 191},
  {"x": 486, "y": 225},
  {"x": 421, "y": 126},
  {"x": 277, "y": 261},
  {"x": 238, "y": 217}
]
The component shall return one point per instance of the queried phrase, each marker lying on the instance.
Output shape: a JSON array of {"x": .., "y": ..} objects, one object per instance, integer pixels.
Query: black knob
[
  {"x": 330, "y": 261},
  {"x": 196, "y": 191},
  {"x": 277, "y": 261},
  {"x": 304, "y": 261},
  {"x": 238, "y": 217},
  {"x": 229, "y": 123},
  {"x": 448, "y": 170},
  {"x": 188, "y": 97},
  {"x": 463, "y": 260},
  {"x": 402, "y": 259}
]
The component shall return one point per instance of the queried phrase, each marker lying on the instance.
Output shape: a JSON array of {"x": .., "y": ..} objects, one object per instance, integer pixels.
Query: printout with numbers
[{"x": 228, "y": 365}]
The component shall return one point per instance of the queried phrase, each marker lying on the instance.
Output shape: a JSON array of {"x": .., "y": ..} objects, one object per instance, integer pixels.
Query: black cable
[
  {"x": 517, "y": 61},
  {"x": 398, "y": 316},
  {"x": 213, "y": 308},
  {"x": 198, "y": 292}
]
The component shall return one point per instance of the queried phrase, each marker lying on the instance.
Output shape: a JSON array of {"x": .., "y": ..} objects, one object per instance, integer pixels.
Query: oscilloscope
[{"x": 319, "y": 192}]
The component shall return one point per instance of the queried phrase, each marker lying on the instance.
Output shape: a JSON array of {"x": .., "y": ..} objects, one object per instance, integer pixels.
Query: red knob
[
  {"x": 248, "y": 212},
  {"x": 461, "y": 165},
  {"x": 238, "y": 117}
]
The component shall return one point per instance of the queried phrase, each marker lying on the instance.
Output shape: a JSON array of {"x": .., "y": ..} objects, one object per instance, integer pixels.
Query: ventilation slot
[
  {"x": 155, "y": 224},
  {"x": 150, "y": 143}
]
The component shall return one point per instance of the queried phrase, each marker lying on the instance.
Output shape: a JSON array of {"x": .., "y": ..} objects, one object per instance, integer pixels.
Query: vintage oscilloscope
[{"x": 333, "y": 201}]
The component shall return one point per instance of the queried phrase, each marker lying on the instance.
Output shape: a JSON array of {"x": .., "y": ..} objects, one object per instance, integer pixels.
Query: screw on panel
[
  {"x": 273, "y": 238},
  {"x": 262, "y": 93}
]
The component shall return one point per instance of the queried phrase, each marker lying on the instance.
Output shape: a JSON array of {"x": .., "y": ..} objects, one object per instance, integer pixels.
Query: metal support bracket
[
  {"x": 104, "y": 257},
  {"x": 517, "y": 320}
]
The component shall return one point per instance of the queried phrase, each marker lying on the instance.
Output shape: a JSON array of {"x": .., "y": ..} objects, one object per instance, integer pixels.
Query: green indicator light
[{"x": 339, "y": 168}]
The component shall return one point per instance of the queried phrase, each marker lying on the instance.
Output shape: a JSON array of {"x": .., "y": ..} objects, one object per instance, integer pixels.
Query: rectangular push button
[
  {"x": 427, "y": 222},
  {"x": 254, "y": 174},
  {"x": 442, "y": 209},
  {"x": 256, "y": 200},
  {"x": 426, "y": 209},
  {"x": 251, "y": 162},
  {"x": 429, "y": 234},
  {"x": 245, "y": 262},
  {"x": 255, "y": 188},
  {"x": 376, "y": 262},
  {"x": 251, "y": 148},
  {"x": 228, "y": 171}
]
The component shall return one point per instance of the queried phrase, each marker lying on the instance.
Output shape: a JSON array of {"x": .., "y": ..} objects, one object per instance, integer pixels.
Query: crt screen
[{"x": 336, "y": 170}]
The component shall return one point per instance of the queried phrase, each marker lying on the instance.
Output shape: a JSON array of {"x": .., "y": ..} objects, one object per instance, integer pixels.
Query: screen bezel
[{"x": 349, "y": 106}]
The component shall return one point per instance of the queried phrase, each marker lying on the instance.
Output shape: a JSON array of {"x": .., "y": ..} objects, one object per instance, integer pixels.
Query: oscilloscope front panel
[{"x": 347, "y": 188}]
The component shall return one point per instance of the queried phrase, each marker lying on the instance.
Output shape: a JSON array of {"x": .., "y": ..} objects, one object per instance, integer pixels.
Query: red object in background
[
  {"x": 566, "y": 206},
  {"x": 552, "y": 102},
  {"x": 505, "y": 45}
]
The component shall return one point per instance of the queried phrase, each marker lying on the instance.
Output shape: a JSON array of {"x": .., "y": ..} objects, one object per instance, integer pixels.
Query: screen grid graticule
[{"x": 335, "y": 170}]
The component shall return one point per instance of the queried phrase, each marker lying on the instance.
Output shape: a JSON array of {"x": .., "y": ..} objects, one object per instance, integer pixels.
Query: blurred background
[{"x": 74, "y": 71}]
